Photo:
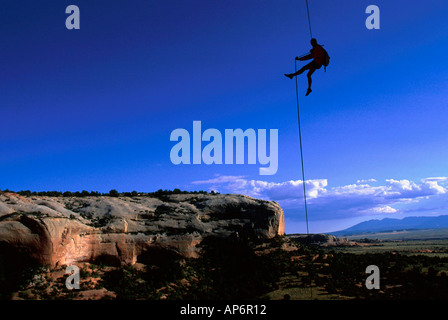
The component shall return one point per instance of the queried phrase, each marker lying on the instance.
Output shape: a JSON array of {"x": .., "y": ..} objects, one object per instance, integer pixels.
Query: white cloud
[
  {"x": 267, "y": 190},
  {"x": 439, "y": 179},
  {"x": 220, "y": 179},
  {"x": 408, "y": 189},
  {"x": 365, "y": 181},
  {"x": 434, "y": 184},
  {"x": 336, "y": 202},
  {"x": 380, "y": 210}
]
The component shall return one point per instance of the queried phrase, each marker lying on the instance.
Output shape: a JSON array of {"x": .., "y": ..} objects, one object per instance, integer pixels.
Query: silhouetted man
[{"x": 318, "y": 54}]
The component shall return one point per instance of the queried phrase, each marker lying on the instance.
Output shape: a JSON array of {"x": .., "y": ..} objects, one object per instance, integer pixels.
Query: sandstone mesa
[{"x": 58, "y": 231}]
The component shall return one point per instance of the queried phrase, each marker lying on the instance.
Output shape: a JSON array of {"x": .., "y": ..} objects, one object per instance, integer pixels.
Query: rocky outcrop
[
  {"x": 64, "y": 230},
  {"x": 320, "y": 239}
]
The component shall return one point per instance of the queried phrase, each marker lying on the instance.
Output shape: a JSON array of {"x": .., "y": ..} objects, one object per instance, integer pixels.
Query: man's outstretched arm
[{"x": 307, "y": 57}]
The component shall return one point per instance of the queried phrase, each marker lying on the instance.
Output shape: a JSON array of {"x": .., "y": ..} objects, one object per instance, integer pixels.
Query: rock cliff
[{"x": 64, "y": 230}]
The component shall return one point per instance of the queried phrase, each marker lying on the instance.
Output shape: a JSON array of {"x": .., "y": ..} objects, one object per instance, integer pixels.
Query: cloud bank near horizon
[{"x": 363, "y": 198}]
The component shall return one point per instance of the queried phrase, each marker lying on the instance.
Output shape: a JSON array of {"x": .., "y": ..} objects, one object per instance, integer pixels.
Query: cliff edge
[{"x": 64, "y": 230}]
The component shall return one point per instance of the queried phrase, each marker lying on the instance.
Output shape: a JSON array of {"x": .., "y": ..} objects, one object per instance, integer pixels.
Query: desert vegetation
[
  {"x": 236, "y": 268},
  {"x": 111, "y": 193}
]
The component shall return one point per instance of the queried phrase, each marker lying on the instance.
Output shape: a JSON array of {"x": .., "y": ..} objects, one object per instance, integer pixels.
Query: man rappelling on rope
[{"x": 320, "y": 58}]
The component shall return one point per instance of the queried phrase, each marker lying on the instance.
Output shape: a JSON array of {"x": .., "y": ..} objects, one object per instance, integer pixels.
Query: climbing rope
[
  {"x": 301, "y": 152},
  {"x": 300, "y": 139},
  {"x": 303, "y": 168},
  {"x": 309, "y": 20}
]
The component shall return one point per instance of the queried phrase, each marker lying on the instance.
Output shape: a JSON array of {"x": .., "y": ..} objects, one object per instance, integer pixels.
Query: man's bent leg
[
  {"x": 310, "y": 73},
  {"x": 309, "y": 80}
]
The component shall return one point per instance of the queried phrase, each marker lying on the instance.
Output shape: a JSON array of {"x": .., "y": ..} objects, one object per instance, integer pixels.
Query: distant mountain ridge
[{"x": 388, "y": 224}]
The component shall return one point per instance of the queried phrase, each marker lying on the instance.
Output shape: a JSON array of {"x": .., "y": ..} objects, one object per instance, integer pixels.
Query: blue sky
[{"x": 94, "y": 108}]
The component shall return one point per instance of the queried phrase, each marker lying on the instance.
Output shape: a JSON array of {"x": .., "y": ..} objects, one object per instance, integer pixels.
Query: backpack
[{"x": 326, "y": 60}]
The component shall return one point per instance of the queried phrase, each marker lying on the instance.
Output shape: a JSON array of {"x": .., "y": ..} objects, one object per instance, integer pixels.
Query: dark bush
[{"x": 113, "y": 193}]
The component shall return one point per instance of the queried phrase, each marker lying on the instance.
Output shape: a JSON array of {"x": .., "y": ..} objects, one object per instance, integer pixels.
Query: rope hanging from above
[
  {"x": 309, "y": 19},
  {"x": 301, "y": 153}
]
